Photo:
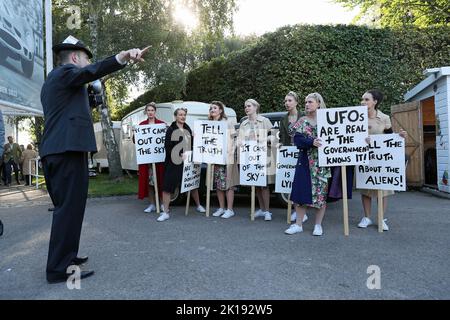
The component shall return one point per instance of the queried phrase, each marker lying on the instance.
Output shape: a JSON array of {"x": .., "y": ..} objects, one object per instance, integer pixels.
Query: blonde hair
[
  {"x": 253, "y": 102},
  {"x": 148, "y": 105},
  {"x": 319, "y": 99},
  {"x": 293, "y": 95}
]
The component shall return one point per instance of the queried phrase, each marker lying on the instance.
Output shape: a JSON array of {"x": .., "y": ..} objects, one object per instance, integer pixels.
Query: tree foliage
[
  {"x": 395, "y": 13},
  {"x": 341, "y": 62}
]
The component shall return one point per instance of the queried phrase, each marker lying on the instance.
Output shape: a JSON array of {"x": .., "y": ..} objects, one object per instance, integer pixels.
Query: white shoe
[
  {"x": 218, "y": 212},
  {"x": 150, "y": 208},
  {"x": 267, "y": 216},
  {"x": 305, "y": 218},
  {"x": 259, "y": 213},
  {"x": 200, "y": 209},
  {"x": 365, "y": 222},
  {"x": 293, "y": 229},
  {"x": 228, "y": 214},
  {"x": 385, "y": 226},
  {"x": 163, "y": 217},
  {"x": 317, "y": 230}
]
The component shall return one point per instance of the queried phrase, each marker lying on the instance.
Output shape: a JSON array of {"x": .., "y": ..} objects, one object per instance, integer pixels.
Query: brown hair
[
  {"x": 151, "y": 104},
  {"x": 221, "y": 107}
]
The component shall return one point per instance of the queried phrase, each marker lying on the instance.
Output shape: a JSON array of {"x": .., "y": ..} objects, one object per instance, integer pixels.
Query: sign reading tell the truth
[
  {"x": 286, "y": 161},
  {"x": 343, "y": 133},
  {"x": 386, "y": 168},
  {"x": 191, "y": 174},
  {"x": 210, "y": 142},
  {"x": 149, "y": 143}
]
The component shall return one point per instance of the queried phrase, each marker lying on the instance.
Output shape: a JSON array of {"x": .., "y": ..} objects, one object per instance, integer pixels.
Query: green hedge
[{"x": 341, "y": 62}]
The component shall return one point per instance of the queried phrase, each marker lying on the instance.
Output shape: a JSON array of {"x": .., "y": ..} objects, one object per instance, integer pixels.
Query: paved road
[{"x": 195, "y": 257}]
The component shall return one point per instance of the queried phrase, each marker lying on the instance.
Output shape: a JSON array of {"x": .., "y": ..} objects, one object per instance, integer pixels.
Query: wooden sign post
[
  {"x": 210, "y": 146},
  {"x": 343, "y": 133},
  {"x": 287, "y": 158},
  {"x": 386, "y": 168}
]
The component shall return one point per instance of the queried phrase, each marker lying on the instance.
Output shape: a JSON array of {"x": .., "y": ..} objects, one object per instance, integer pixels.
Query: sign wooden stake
[
  {"x": 155, "y": 179},
  {"x": 380, "y": 211},
  {"x": 289, "y": 211},
  {"x": 208, "y": 188},
  {"x": 252, "y": 214},
  {"x": 345, "y": 199},
  {"x": 187, "y": 203}
]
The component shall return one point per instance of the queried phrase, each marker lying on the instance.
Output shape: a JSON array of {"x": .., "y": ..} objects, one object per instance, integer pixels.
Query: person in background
[
  {"x": 7, "y": 164},
  {"x": 16, "y": 155},
  {"x": 22, "y": 149},
  {"x": 250, "y": 130},
  {"x": 379, "y": 123},
  {"x": 146, "y": 180},
  {"x": 2, "y": 142},
  {"x": 310, "y": 185},
  {"x": 288, "y": 127},
  {"x": 29, "y": 165},
  {"x": 178, "y": 133},
  {"x": 225, "y": 177}
]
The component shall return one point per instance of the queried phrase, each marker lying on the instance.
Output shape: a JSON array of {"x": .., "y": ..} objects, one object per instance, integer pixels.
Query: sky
[{"x": 260, "y": 16}]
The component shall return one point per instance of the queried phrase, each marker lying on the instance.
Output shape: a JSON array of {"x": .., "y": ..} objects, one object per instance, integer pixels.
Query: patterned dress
[{"x": 317, "y": 193}]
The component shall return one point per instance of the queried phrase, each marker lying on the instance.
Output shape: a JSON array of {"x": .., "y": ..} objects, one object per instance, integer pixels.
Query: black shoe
[
  {"x": 80, "y": 260},
  {"x": 64, "y": 277},
  {"x": 51, "y": 209}
]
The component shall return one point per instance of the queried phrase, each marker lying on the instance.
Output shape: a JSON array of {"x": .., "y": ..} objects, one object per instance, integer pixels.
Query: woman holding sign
[
  {"x": 379, "y": 123},
  {"x": 252, "y": 129},
  {"x": 310, "y": 185},
  {"x": 225, "y": 177},
  {"x": 146, "y": 180},
  {"x": 178, "y": 140},
  {"x": 288, "y": 127}
]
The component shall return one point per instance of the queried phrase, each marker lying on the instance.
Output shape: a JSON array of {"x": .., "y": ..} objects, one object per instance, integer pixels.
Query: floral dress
[{"x": 319, "y": 175}]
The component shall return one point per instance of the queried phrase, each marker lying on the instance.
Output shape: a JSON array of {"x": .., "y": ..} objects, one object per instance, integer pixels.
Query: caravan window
[{"x": 126, "y": 129}]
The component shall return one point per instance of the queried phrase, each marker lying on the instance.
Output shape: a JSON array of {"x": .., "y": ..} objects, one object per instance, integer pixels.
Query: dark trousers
[
  {"x": 67, "y": 179},
  {"x": 7, "y": 172},
  {"x": 28, "y": 179},
  {"x": 16, "y": 170}
]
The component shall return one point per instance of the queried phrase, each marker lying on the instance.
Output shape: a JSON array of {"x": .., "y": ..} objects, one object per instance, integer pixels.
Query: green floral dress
[{"x": 319, "y": 175}]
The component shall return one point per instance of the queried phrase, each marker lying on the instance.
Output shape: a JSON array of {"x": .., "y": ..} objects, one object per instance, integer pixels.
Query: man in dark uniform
[{"x": 68, "y": 137}]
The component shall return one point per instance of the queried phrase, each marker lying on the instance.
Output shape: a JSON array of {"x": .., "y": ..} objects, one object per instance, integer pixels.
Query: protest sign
[
  {"x": 386, "y": 167},
  {"x": 253, "y": 164},
  {"x": 343, "y": 133},
  {"x": 210, "y": 142},
  {"x": 191, "y": 174},
  {"x": 150, "y": 143},
  {"x": 286, "y": 161}
]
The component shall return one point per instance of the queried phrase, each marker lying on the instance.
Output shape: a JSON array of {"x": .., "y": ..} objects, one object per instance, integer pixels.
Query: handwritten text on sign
[
  {"x": 210, "y": 142},
  {"x": 286, "y": 161},
  {"x": 343, "y": 132},
  {"x": 150, "y": 143},
  {"x": 191, "y": 174},
  {"x": 386, "y": 168},
  {"x": 253, "y": 164}
]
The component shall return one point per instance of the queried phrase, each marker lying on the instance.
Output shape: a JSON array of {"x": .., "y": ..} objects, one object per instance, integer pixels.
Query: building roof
[{"x": 433, "y": 75}]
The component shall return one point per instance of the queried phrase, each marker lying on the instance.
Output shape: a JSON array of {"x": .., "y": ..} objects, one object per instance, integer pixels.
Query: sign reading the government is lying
[
  {"x": 191, "y": 174},
  {"x": 253, "y": 164},
  {"x": 210, "y": 142},
  {"x": 286, "y": 161},
  {"x": 343, "y": 133},
  {"x": 386, "y": 168},
  {"x": 149, "y": 143}
]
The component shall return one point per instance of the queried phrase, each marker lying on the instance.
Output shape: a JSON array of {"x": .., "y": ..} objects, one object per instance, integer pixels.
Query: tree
[
  {"x": 111, "y": 26},
  {"x": 395, "y": 13}
]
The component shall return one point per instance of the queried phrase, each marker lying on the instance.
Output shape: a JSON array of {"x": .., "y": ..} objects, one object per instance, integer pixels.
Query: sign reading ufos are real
[{"x": 343, "y": 133}]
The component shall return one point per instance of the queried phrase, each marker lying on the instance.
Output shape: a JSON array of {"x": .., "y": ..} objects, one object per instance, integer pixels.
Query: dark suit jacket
[{"x": 68, "y": 122}]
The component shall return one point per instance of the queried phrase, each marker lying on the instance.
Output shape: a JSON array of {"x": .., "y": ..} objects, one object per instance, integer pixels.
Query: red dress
[{"x": 144, "y": 173}]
